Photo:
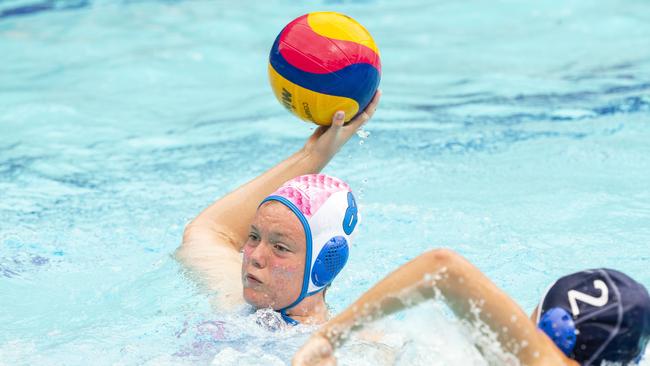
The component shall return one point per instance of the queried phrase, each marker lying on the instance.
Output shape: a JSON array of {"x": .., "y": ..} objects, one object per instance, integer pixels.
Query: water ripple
[{"x": 43, "y": 6}]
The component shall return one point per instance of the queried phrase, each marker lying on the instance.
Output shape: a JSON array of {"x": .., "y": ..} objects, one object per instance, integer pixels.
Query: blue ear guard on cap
[
  {"x": 330, "y": 261},
  {"x": 558, "y": 324}
]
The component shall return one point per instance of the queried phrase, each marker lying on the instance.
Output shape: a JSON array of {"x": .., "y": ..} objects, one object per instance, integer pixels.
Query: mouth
[{"x": 252, "y": 280}]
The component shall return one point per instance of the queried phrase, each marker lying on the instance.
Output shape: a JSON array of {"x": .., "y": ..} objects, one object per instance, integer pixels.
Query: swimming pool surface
[{"x": 516, "y": 133}]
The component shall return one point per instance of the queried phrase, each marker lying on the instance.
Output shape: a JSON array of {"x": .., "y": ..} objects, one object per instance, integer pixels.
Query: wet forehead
[{"x": 278, "y": 221}]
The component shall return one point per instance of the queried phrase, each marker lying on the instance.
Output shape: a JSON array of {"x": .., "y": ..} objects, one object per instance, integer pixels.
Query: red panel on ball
[{"x": 308, "y": 51}]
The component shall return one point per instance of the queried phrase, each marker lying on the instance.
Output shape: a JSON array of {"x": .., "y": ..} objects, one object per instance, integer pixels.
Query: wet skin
[{"x": 274, "y": 257}]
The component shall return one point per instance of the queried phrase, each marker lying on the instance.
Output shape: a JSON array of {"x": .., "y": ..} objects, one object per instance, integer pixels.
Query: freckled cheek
[
  {"x": 247, "y": 253},
  {"x": 286, "y": 273}
]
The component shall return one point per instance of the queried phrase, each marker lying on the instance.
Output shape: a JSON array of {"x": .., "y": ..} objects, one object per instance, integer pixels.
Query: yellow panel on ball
[
  {"x": 310, "y": 105},
  {"x": 338, "y": 26}
]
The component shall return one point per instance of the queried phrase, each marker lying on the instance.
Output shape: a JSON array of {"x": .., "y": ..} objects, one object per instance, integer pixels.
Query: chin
[{"x": 257, "y": 299}]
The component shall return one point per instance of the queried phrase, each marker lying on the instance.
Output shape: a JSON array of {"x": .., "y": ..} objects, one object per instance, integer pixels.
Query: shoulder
[
  {"x": 210, "y": 256},
  {"x": 207, "y": 247},
  {"x": 197, "y": 234},
  {"x": 202, "y": 245}
]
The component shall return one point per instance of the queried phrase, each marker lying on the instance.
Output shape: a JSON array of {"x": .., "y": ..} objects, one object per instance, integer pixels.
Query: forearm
[
  {"x": 229, "y": 217},
  {"x": 233, "y": 213},
  {"x": 459, "y": 283},
  {"x": 406, "y": 286}
]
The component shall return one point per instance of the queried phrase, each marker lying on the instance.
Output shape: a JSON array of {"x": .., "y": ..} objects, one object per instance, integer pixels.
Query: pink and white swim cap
[{"x": 328, "y": 213}]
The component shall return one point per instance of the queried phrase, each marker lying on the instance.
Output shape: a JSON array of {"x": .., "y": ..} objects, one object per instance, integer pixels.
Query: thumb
[{"x": 338, "y": 119}]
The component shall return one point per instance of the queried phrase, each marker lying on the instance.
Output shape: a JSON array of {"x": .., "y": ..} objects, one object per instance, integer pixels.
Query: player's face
[{"x": 274, "y": 257}]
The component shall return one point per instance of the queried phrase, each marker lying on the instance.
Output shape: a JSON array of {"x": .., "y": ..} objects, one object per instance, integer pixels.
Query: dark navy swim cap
[{"x": 610, "y": 315}]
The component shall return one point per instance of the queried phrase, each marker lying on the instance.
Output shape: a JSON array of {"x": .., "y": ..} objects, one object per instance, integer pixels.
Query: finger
[
  {"x": 357, "y": 122},
  {"x": 305, "y": 358},
  {"x": 372, "y": 106},
  {"x": 337, "y": 122},
  {"x": 301, "y": 358},
  {"x": 297, "y": 361},
  {"x": 367, "y": 113},
  {"x": 338, "y": 119},
  {"x": 319, "y": 132}
]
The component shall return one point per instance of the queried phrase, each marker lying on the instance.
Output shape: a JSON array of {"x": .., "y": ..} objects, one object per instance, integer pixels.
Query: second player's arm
[{"x": 462, "y": 286}]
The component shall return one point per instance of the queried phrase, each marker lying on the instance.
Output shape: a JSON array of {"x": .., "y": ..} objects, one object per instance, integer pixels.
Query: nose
[{"x": 257, "y": 256}]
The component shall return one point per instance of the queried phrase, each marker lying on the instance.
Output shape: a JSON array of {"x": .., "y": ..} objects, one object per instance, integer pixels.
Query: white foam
[{"x": 252, "y": 357}]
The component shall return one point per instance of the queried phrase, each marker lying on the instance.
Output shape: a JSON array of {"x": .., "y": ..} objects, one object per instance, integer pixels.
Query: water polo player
[
  {"x": 584, "y": 318},
  {"x": 292, "y": 225}
]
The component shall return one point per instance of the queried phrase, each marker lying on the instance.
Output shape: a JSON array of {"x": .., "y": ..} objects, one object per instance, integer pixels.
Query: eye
[
  {"x": 253, "y": 237},
  {"x": 280, "y": 248}
]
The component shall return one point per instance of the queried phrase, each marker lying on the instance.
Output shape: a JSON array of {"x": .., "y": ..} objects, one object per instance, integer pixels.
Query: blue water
[{"x": 513, "y": 132}]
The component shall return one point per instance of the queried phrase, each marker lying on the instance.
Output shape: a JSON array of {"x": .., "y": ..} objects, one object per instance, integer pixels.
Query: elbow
[
  {"x": 441, "y": 257},
  {"x": 191, "y": 239},
  {"x": 182, "y": 249},
  {"x": 205, "y": 234},
  {"x": 194, "y": 230},
  {"x": 190, "y": 235}
]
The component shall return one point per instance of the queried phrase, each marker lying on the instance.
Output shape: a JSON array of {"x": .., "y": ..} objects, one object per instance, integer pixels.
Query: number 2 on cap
[{"x": 575, "y": 295}]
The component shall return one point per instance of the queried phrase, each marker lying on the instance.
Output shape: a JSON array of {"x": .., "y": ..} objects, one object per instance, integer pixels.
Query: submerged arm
[{"x": 462, "y": 286}]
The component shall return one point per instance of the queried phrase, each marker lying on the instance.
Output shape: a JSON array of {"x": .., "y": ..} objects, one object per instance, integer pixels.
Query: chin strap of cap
[
  {"x": 283, "y": 311},
  {"x": 287, "y": 318}
]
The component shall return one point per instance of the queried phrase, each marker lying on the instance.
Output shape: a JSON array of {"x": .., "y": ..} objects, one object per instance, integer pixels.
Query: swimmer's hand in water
[
  {"x": 326, "y": 141},
  {"x": 318, "y": 351}
]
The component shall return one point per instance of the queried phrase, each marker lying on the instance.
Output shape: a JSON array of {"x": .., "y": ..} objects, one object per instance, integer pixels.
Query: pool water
[{"x": 515, "y": 133}]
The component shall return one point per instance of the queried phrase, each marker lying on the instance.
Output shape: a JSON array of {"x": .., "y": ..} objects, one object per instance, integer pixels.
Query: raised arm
[
  {"x": 461, "y": 285},
  {"x": 213, "y": 240}
]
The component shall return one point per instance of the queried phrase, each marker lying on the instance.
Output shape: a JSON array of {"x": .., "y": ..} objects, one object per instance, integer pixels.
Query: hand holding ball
[{"x": 324, "y": 62}]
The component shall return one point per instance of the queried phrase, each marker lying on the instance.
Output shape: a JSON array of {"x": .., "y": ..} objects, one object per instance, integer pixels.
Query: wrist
[
  {"x": 332, "y": 336},
  {"x": 336, "y": 330},
  {"x": 312, "y": 161}
]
